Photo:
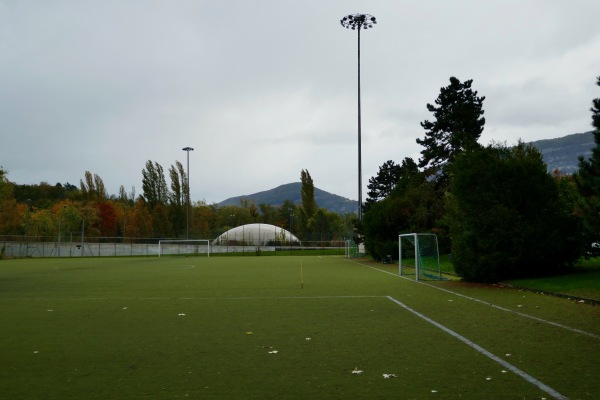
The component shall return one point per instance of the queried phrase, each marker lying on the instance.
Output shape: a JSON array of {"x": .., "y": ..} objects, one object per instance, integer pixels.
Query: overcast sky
[{"x": 262, "y": 89}]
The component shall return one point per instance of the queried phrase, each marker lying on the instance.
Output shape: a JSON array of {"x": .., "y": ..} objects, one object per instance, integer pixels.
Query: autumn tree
[
  {"x": 457, "y": 125},
  {"x": 6, "y": 187},
  {"x": 178, "y": 200},
  {"x": 93, "y": 187},
  {"x": 154, "y": 185}
]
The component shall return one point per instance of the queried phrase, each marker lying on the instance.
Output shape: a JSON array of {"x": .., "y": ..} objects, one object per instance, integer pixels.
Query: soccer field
[{"x": 282, "y": 328}]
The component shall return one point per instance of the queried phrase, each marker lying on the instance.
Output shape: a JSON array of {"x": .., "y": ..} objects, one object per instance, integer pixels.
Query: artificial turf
[{"x": 277, "y": 328}]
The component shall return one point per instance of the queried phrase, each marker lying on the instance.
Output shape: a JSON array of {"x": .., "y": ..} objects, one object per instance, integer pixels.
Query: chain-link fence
[{"x": 23, "y": 247}]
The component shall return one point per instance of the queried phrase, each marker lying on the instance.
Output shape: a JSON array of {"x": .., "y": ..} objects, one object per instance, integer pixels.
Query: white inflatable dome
[{"x": 256, "y": 235}]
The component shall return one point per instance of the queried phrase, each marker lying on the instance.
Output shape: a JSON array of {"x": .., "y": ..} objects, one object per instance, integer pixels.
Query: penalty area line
[
  {"x": 545, "y": 321},
  {"x": 540, "y": 385}
]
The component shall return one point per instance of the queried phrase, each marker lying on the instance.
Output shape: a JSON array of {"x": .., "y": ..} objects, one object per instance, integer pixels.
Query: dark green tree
[
  {"x": 457, "y": 125},
  {"x": 588, "y": 178},
  {"x": 307, "y": 194},
  {"x": 413, "y": 206},
  {"x": 381, "y": 185},
  {"x": 505, "y": 216}
]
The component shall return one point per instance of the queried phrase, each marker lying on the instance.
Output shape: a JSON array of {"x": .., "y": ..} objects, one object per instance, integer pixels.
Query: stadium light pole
[
  {"x": 358, "y": 22},
  {"x": 187, "y": 208}
]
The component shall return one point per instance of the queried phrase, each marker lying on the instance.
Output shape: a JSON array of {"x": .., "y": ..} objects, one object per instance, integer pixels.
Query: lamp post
[
  {"x": 358, "y": 22},
  {"x": 187, "y": 208}
]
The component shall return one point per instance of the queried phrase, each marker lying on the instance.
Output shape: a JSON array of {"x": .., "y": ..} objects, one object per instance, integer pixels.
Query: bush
[{"x": 505, "y": 217}]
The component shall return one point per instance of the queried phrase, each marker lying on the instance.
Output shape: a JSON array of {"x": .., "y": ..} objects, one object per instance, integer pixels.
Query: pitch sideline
[{"x": 582, "y": 332}]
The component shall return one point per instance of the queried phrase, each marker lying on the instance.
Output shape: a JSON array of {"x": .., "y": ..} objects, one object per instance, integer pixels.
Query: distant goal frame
[
  {"x": 434, "y": 273},
  {"x": 181, "y": 242}
]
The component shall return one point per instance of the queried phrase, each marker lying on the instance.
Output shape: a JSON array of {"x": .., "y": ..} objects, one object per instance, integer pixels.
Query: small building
[{"x": 256, "y": 235}]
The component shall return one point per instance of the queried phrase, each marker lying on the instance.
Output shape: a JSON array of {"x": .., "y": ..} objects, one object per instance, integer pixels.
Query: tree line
[
  {"x": 495, "y": 208},
  {"x": 46, "y": 211}
]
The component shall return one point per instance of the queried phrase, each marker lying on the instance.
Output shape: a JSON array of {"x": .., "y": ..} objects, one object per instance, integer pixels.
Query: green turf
[{"x": 205, "y": 328}]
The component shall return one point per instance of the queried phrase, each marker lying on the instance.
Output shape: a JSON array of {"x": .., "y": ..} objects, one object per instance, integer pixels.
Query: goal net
[
  {"x": 418, "y": 254},
  {"x": 184, "y": 247}
]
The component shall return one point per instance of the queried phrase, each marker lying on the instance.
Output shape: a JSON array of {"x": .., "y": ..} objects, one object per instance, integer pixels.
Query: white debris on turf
[
  {"x": 387, "y": 376},
  {"x": 273, "y": 352},
  {"x": 308, "y": 338},
  {"x": 181, "y": 314},
  {"x": 357, "y": 371},
  {"x": 434, "y": 391}
]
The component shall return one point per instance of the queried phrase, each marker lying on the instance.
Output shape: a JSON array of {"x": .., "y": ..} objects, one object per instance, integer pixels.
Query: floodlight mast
[
  {"x": 358, "y": 22},
  {"x": 187, "y": 212}
]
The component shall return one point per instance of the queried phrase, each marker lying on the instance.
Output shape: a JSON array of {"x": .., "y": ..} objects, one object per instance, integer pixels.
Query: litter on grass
[
  {"x": 357, "y": 371},
  {"x": 273, "y": 352},
  {"x": 181, "y": 314},
  {"x": 387, "y": 376}
]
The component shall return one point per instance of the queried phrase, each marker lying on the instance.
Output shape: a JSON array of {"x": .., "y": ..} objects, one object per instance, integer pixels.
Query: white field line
[
  {"x": 192, "y": 298},
  {"x": 486, "y": 303},
  {"x": 507, "y": 365}
]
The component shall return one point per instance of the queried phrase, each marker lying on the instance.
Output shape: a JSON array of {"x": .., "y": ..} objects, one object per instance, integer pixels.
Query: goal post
[
  {"x": 419, "y": 252},
  {"x": 184, "y": 246}
]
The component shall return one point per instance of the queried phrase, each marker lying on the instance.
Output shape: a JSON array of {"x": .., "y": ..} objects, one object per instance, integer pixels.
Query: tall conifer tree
[{"x": 588, "y": 176}]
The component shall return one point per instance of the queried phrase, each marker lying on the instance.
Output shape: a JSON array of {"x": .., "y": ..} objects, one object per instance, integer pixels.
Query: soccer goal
[
  {"x": 418, "y": 253},
  {"x": 182, "y": 247}
]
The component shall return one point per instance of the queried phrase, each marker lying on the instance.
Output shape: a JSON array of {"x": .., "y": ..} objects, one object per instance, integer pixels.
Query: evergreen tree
[
  {"x": 389, "y": 177},
  {"x": 505, "y": 216},
  {"x": 457, "y": 126},
  {"x": 381, "y": 185},
  {"x": 588, "y": 178}
]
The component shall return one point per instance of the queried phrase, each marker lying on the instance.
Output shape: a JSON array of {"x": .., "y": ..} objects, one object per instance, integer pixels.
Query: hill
[
  {"x": 291, "y": 191},
  {"x": 561, "y": 153}
]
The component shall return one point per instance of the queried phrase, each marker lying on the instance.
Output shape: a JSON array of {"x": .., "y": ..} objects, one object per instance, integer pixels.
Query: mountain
[
  {"x": 562, "y": 153},
  {"x": 291, "y": 191}
]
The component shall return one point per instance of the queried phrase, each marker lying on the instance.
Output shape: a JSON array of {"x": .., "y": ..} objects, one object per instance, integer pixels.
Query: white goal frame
[
  {"x": 183, "y": 241},
  {"x": 417, "y": 247}
]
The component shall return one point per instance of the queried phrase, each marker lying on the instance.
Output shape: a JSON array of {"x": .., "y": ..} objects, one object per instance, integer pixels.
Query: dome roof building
[{"x": 255, "y": 235}]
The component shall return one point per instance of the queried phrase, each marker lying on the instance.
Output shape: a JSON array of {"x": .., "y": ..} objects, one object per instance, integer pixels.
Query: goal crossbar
[{"x": 193, "y": 246}]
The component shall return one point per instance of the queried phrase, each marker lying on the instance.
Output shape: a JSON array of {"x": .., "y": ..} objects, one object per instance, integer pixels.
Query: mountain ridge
[
  {"x": 559, "y": 154},
  {"x": 291, "y": 191}
]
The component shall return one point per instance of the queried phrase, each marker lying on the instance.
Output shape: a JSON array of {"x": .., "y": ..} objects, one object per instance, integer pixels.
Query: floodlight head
[
  {"x": 187, "y": 149},
  {"x": 358, "y": 21}
]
